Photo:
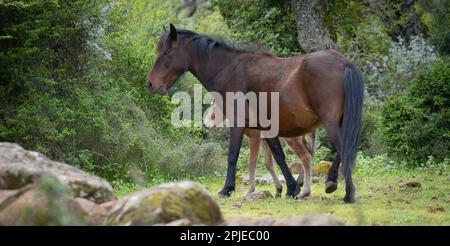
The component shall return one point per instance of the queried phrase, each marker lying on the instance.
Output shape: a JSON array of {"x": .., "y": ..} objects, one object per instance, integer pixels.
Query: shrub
[
  {"x": 390, "y": 74},
  {"x": 72, "y": 86},
  {"x": 371, "y": 141},
  {"x": 417, "y": 125},
  {"x": 436, "y": 16}
]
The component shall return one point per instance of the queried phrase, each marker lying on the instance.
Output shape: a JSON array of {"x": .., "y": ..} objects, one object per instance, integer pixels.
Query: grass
[{"x": 379, "y": 199}]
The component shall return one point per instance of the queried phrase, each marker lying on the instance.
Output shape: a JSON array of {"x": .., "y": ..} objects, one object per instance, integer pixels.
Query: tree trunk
[{"x": 313, "y": 35}]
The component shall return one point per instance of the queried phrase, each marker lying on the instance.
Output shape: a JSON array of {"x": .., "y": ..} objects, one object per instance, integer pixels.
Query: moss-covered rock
[
  {"x": 321, "y": 168},
  {"x": 164, "y": 204},
  {"x": 48, "y": 202},
  {"x": 20, "y": 167}
]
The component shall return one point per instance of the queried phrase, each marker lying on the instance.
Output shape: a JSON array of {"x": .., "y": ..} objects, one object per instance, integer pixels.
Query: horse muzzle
[{"x": 156, "y": 89}]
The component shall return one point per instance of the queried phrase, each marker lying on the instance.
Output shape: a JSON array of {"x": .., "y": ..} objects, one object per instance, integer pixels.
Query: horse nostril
[{"x": 149, "y": 84}]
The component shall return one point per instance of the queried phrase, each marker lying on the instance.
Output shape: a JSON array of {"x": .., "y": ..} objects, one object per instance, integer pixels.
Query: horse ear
[{"x": 173, "y": 33}]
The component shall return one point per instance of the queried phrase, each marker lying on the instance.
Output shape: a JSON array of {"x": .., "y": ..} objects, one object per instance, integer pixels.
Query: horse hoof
[
  {"x": 330, "y": 186},
  {"x": 303, "y": 195},
  {"x": 289, "y": 196},
  {"x": 349, "y": 199},
  {"x": 278, "y": 193},
  {"x": 225, "y": 193},
  {"x": 292, "y": 192}
]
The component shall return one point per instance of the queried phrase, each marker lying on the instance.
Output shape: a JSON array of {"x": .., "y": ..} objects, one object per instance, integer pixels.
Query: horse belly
[{"x": 297, "y": 122}]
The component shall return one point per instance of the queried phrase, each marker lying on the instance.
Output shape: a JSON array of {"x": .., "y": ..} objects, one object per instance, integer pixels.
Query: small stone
[
  {"x": 258, "y": 195},
  {"x": 412, "y": 184},
  {"x": 435, "y": 209}
]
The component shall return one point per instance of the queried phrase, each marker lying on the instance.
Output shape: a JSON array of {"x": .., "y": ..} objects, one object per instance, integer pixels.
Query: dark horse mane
[{"x": 204, "y": 45}]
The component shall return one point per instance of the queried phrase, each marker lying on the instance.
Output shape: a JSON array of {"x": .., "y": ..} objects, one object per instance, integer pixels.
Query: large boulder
[
  {"x": 164, "y": 204},
  {"x": 20, "y": 167},
  {"x": 48, "y": 202},
  {"x": 93, "y": 214}
]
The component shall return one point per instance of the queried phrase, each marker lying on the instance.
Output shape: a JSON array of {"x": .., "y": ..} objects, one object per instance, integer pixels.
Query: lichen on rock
[{"x": 164, "y": 204}]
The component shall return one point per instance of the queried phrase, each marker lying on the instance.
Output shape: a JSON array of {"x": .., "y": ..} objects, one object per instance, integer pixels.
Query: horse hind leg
[
  {"x": 268, "y": 162},
  {"x": 299, "y": 148},
  {"x": 331, "y": 182}
]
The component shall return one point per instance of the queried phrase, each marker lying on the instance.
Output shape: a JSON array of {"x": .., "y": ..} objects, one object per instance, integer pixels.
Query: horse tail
[{"x": 351, "y": 121}]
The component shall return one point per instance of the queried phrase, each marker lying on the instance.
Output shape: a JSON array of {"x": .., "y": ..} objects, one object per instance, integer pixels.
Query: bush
[
  {"x": 417, "y": 125},
  {"x": 72, "y": 86},
  {"x": 390, "y": 74},
  {"x": 371, "y": 141},
  {"x": 436, "y": 16}
]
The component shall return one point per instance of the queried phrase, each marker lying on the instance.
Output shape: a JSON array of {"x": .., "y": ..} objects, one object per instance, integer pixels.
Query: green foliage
[
  {"x": 342, "y": 18},
  {"x": 267, "y": 22},
  {"x": 371, "y": 141},
  {"x": 436, "y": 16},
  {"x": 73, "y": 87},
  {"x": 417, "y": 125}
]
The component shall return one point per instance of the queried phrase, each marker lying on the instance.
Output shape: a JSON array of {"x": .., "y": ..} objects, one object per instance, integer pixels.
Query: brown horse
[
  {"x": 323, "y": 87},
  {"x": 302, "y": 146}
]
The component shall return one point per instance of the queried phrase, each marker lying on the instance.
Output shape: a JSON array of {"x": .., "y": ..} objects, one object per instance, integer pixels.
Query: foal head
[
  {"x": 172, "y": 61},
  {"x": 211, "y": 120}
]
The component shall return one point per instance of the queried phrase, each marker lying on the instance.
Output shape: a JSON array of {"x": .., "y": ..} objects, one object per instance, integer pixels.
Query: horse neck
[{"x": 210, "y": 71}]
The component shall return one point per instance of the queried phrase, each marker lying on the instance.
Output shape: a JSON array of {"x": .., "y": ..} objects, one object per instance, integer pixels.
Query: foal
[{"x": 302, "y": 146}]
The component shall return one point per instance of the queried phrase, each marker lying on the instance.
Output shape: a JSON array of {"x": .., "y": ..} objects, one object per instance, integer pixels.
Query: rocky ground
[{"x": 35, "y": 190}]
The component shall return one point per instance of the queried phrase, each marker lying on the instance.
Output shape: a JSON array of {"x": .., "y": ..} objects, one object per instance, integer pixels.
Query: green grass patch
[{"x": 380, "y": 200}]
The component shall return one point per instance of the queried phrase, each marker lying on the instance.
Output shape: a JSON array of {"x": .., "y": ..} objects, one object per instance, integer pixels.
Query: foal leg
[
  {"x": 298, "y": 147},
  {"x": 268, "y": 162},
  {"x": 254, "y": 145},
  {"x": 275, "y": 146},
  {"x": 236, "y": 134}
]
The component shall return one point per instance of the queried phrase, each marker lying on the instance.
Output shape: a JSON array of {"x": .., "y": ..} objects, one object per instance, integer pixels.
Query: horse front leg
[
  {"x": 236, "y": 135},
  {"x": 275, "y": 146}
]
